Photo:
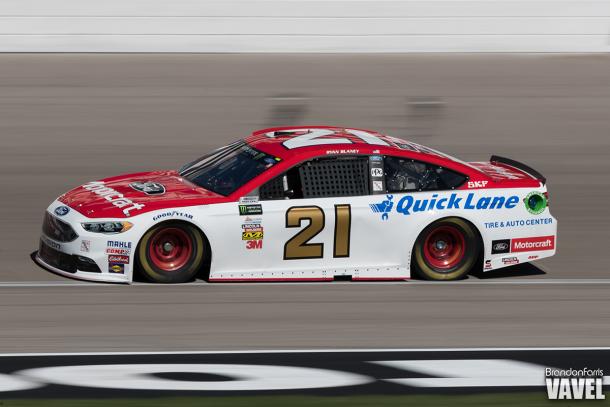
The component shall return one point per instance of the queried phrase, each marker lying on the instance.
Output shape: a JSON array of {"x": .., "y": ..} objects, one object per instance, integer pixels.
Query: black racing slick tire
[
  {"x": 171, "y": 252},
  {"x": 447, "y": 249}
]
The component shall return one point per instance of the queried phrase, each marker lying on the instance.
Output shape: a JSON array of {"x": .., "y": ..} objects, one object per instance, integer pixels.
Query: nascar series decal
[{"x": 115, "y": 198}]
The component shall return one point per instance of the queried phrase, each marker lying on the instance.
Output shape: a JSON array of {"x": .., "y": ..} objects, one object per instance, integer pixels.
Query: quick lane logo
[
  {"x": 115, "y": 198},
  {"x": 384, "y": 207},
  {"x": 574, "y": 384},
  {"x": 408, "y": 204}
]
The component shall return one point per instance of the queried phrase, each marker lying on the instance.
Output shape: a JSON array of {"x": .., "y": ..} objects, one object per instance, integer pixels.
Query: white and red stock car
[{"x": 303, "y": 204}]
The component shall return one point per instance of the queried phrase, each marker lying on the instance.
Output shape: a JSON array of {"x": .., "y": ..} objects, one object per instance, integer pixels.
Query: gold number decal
[
  {"x": 343, "y": 224},
  {"x": 298, "y": 247}
]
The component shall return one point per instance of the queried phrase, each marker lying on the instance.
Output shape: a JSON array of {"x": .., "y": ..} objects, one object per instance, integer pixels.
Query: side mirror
[{"x": 288, "y": 193}]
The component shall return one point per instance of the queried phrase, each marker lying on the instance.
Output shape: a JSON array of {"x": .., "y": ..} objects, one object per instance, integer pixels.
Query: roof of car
[{"x": 288, "y": 142}]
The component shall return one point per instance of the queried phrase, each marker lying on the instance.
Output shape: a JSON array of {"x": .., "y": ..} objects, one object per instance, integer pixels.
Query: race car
[{"x": 303, "y": 204}]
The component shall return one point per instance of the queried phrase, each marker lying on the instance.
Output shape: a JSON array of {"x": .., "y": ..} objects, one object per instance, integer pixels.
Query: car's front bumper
[{"x": 69, "y": 250}]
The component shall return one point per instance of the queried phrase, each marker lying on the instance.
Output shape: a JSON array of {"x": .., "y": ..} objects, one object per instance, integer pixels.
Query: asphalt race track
[
  {"x": 396, "y": 372},
  {"x": 67, "y": 119}
]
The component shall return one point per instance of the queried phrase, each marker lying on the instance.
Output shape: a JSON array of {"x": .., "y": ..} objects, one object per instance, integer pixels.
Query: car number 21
[{"x": 298, "y": 247}]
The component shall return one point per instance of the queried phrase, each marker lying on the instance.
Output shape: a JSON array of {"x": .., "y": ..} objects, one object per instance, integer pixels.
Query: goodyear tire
[
  {"x": 171, "y": 252},
  {"x": 447, "y": 249}
]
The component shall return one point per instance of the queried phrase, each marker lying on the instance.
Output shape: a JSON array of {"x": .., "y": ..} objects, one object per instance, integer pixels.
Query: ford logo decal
[
  {"x": 501, "y": 246},
  {"x": 61, "y": 210}
]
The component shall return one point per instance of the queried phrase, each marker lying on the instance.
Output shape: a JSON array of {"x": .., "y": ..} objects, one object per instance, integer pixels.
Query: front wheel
[
  {"x": 171, "y": 252},
  {"x": 447, "y": 249}
]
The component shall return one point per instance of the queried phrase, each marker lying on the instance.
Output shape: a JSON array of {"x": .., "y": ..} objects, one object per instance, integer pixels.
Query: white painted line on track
[
  {"x": 345, "y": 350},
  {"x": 498, "y": 282}
]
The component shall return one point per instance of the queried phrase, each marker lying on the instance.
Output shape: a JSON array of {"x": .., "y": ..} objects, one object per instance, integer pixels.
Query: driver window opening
[
  {"x": 406, "y": 175},
  {"x": 320, "y": 178}
]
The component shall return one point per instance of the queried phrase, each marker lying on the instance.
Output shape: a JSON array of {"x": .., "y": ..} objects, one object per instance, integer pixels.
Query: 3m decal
[
  {"x": 383, "y": 207},
  {"x": 533, "y": 244},
  {"x": 115, "y": 198},
  {"x": 254, "y": 244},
  {"x": 256, "y": 209}
]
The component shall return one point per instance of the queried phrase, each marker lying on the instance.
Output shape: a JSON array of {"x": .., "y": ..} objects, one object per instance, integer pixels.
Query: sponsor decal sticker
[
  {"x": 376, "y": 172},
  {"x": 61, "y": 210},
  {"x": 477, "y": 184},
  {"x": 383, "y": 207},
  {"x": 500, "y": 246},
  {"x": 254, "y": 244},
  {"x": 172, "y": 214},
  {"x": 377, "y": 186},
  {"x": 256, "y": 209},
  {"x": 248, "y": 199},
  {"x": 408, "y": 204},
  {"x": 487, "y": 265},
  {"x": 115, "y": 198},
  {"x": 574, "y": 384},
  {"x": 85, "y": 246},
  {"x": 149, "y": 187},
  {"x": 118, "y": 248},
  {"x": 535, "y": 203},
  {"x": 116, "y": 268},
  {"x": 252, "y": 234},
  {"x": 533, "y": 244},
  {"x": 510, "y": 260},
  {"x": 118, "y": 259}
]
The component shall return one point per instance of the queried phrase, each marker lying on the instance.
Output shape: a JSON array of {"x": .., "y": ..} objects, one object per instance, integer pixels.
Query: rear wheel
[
  {"x": 446, "y": 250},
  {"x": 171, "y": 252}
]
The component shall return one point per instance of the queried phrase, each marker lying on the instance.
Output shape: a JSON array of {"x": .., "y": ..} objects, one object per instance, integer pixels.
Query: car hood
[{"x": 134, "y": 194}]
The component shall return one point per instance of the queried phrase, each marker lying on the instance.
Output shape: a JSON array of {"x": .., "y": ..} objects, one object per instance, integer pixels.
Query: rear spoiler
[{"x": 520, "y": 166}]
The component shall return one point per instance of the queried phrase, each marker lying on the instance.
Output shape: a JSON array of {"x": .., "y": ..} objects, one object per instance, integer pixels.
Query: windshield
[{"x": 227, "y": 169}]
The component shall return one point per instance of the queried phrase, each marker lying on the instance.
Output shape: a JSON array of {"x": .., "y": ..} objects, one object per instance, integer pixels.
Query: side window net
[
  {"x": 273, "y": 189},
  {"x": 406, "y": 175},
  {"x": 334, "y": 177}
]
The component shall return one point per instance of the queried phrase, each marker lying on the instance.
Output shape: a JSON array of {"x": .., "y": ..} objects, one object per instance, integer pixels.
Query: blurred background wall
[{"x": 304, "y": 26}]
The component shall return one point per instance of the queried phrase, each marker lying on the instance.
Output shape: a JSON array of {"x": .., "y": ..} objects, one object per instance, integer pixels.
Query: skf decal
[
  {"x": 477, "y": 184},
  {"x": 112, "y": 196}
]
